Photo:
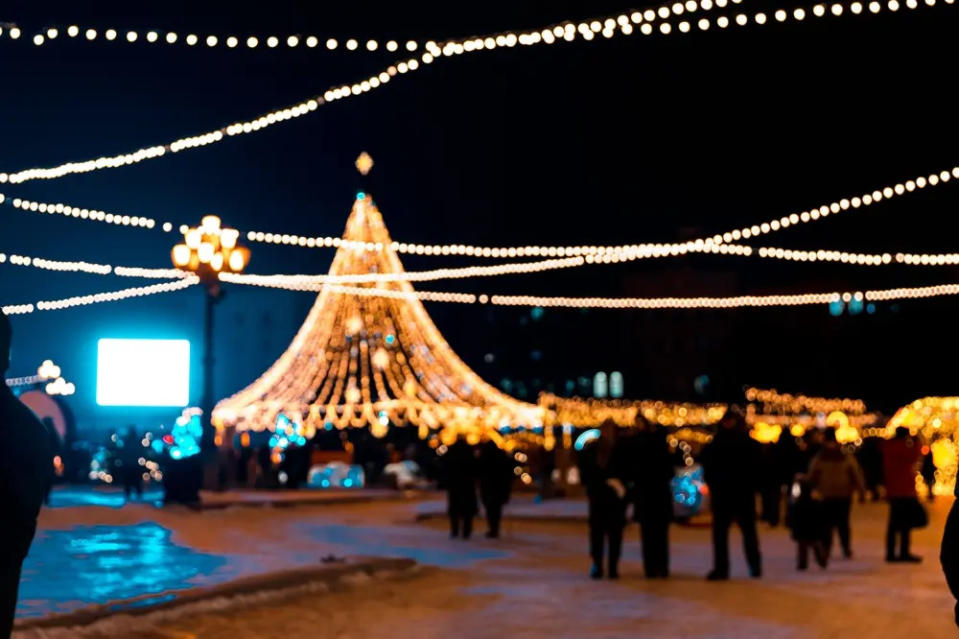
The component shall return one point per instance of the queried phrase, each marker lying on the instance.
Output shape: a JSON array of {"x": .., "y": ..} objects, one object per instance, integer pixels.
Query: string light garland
[
  {"x": 90, "y": 267},
  {"x": 77, "y": 212},
  {"x": 586, "y": 413},
  {"x": 315, "y": 282},
  {"x": 844, "y": 204},
  {"x": 97, "y": 298},
  {"x": 609, "y": 27},
  {"x": 720, "y": 243},
  {"x": 647, "y": 303}
]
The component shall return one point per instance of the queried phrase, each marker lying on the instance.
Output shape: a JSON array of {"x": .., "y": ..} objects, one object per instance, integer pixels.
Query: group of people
[
  {"x": 461, "y": 468},
  {"x": 636, "y": 468},
  {"x": 616, "y": 469}
]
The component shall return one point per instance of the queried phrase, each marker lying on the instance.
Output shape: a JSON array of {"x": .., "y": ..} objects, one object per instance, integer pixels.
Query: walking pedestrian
[
  {"x": 604, "y": 472},
  {"x": 900, "y": 457},
  {"x": 653, "y": 497},
  {"x": 928, "y": 472},
  {"x": 806, "y": 523},
  {"x": 496, "y": 478},
  {"x": 729, "y": 463},
  {"x": 459, "y": 465},
  {"x": 129, "y": 453},
  {"x": 26, "y": 472},
  {"x": 835, "y": 476}
]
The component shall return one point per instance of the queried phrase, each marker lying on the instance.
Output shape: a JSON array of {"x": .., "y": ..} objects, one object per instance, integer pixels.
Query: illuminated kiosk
[
  {"x": 367, "y": 358},
  {"x": 936, "y": 421}
]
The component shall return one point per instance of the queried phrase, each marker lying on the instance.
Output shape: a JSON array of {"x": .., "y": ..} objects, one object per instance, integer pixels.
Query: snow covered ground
[{"x": 530, "y": 583}]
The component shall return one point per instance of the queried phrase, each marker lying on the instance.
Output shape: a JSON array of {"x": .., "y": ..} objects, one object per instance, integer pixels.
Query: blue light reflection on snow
[{"x": 70, "y": 569}]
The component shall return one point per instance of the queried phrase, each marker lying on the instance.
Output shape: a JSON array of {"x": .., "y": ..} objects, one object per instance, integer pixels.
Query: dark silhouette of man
[
  {"x": 730, "y": 463},
  {"x": 496, "y": 478},
  {"x": 653, "y": 496},
  {"x": 26, "y": 471},
  {"x": 459, "y": 464},
  {"x": 949, "y": 555},
  {"x": 604, "y": 471}
]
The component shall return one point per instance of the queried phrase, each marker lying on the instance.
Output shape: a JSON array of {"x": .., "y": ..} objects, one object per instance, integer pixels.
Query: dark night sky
[{"x": 631, "y": 140}]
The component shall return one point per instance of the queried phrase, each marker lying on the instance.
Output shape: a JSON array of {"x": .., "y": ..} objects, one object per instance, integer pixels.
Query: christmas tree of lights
[{"x": 371, "y": 361}]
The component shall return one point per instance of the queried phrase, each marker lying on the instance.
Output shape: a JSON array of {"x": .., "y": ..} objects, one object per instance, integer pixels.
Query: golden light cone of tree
[{"x": 362, "y": 361}]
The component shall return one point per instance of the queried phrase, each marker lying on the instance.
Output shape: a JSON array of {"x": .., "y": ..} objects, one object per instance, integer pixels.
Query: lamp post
[{"x": 207, "y": 251}]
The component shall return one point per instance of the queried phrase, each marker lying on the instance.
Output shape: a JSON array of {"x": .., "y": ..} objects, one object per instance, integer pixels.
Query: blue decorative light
[
  {"x": 361, "y": 195},
  {"x": 585, "y": 438}
]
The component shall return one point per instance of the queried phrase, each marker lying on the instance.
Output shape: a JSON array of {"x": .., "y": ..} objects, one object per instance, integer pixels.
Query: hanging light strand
[
  {"x": 98, "y": 298},
  {"x": 569, "y": 31},
  {"x": 740, "y": 301},
  {"x": 73, "y": 266}
]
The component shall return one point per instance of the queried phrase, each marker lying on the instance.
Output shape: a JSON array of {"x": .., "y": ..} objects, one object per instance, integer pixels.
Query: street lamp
[{"x": 209, "y": 250}]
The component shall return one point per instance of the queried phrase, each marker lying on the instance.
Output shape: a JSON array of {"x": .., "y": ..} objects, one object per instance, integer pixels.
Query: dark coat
[
  {"x": 652, "y": 476},
  {"x": 26, "y": 472},
  {"x": 595, "y": 468},
  {"x": 459, "y": 473},
  {"x": 805, "y": 517},
  {"x": 730, "y": 465},
  {"x": 949, "y": 555},
  {"x": 495, "y": 474}
]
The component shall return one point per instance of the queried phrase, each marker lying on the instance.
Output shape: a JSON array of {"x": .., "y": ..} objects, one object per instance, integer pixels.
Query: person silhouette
[{"x": 26, "y": 472}]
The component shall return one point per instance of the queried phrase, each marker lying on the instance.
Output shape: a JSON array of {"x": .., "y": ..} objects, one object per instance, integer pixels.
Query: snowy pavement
[{"x": 530, "y": 583}]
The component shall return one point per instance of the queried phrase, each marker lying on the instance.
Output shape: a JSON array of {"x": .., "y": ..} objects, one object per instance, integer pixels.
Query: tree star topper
[{"x": 364, "y": 163}]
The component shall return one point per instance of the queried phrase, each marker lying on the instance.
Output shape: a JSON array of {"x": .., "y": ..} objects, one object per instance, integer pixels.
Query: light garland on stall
[
  {"x": 587, "y": 30},
  {"x": 97, "y": 298},
  {"x": 589, "y": 413}
]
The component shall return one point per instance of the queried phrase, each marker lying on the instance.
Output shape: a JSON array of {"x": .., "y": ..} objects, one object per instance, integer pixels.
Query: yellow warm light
[
  {"x": 585, "y": 413},
  {"x": 216, "y": 262},
  {"x": 228, "y": 238},
  {"x": 236, "y": 262},
  {"x": 205, "y": 252},
  {"x": 370, "y": 361},
  {"x": 193, "y": 238},
  {"x": 935, "y": 420},
  {"x": 210, "y": 223},
  {"x": 181, "y": 255},
  {"x": 765, "y": 433}
]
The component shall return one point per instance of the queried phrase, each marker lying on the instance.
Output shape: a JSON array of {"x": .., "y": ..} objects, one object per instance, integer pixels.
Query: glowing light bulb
[{"x": 181, "y": 255}]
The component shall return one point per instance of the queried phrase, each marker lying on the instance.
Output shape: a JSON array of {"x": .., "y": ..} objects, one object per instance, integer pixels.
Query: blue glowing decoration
[
  {"x": 536, "y": 313},
  {"x": 361, "y": 195},
  {"x": 336, "y": 475},
  {"x": 836, "y": 308},
  {"x": 855, "y": 306},
  {"x": 585, "y": 438},
  {"x": 390, "y": 339},
  {"x": 183, "y": 440},
  {"x": 689, "y": 490},
  {"x": 328, "y": 426},
  {"x": 143, "y": 372},
  {"x": 871, "y": 308}
]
